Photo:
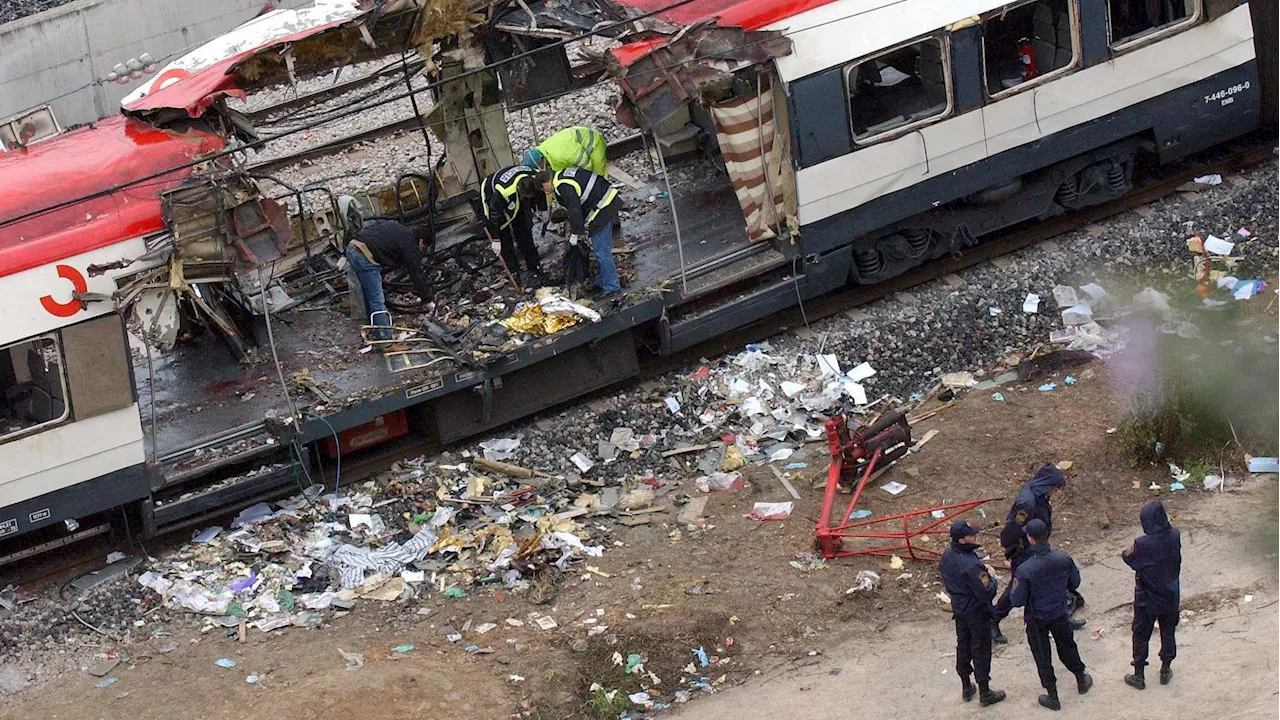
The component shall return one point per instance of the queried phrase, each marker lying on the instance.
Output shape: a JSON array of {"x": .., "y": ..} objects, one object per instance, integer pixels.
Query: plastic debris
[
  {"x": 252, "y": 678},
  {"x": 893, "y": 487},
  {"x": 1031, "y": 304},
  {"x": 106, "y": 682},
  {"x": 864, "y": 581},
  {"x": 1264, "y": 465},
  {"x": 1069, "y": 380},
  {"x": 402, "y": 649},
  {"x": 499, "y": 448},
  {"x": 859, "y": 514},
  {"x": 454, "y": 592},
  {"x": 701, "y": 656},
  {"x": 207, "y": 534},
  {"x": 721, "y": 482},
  {"x": 1077, "y": 315},
  {"x": 355, "y": 661},
  {"x": 771, "y": 511},
  {"x": 1214, "y": 179},
  {"x": 998, "y": 397},
  {"x": 1047, "y": 387},
  {"x": 546, "y": 622},
  {"x": 225, "y": 663}
]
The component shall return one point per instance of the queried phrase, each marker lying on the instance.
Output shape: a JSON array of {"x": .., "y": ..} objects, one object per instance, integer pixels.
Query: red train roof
[
  {"x": 84, "y": 162},
  {"x": 746, "y": 14}
]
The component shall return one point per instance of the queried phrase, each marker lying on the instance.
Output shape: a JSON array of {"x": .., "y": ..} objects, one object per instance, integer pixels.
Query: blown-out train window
[
  {"x": 1133, "y": 21},
  {"x": 898, "y": 89},
  {"x": 33, "y": 386}
]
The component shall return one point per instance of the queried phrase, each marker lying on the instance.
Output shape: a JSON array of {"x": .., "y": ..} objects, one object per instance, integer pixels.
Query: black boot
[
  {"x": 967, "y": 690},
  {"x": 1084, "y": 682},
  {"x": 1166, "y": 674},
  {"x": 997, "y": 637},
  {"x": 1050, "y": 698},
  {"x": 1075, "y": 624},
  {"x": 1136, "y": 680},
  {"x": 987, "y": 696}
]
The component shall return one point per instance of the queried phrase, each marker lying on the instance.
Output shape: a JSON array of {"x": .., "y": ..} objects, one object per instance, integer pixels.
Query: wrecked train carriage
[{"x": 854, "y": 139}]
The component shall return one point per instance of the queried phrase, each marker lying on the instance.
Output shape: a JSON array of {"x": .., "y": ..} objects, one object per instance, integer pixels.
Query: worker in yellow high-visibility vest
[
  {"x": 591, "y": 204},
  {"x": 580, "y": 147}
]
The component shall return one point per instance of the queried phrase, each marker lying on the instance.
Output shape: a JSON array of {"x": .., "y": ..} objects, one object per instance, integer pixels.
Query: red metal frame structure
[{"x": 878, "y": 444}]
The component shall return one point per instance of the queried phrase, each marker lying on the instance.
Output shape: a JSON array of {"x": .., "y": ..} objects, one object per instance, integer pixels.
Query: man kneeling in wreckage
[{"x": 377, "y": 246}]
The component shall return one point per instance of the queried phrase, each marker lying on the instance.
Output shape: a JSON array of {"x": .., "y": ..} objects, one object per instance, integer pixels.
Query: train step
[
  {"x": 161, "y": 515},
  {"x": 704, "y": 280},
  {"x": 733, "y": 312}
]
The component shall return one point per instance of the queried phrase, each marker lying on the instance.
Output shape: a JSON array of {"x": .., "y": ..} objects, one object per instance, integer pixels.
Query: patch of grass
[{"x": 1173, "y": 420}]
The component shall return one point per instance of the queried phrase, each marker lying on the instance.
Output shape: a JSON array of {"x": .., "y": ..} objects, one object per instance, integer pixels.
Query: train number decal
[
  {"x": 1227, "y": 95},
  {"x": 79, "y": 285}
]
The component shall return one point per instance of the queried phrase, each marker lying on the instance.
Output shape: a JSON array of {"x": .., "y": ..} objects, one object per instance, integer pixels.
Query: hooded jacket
[
  {"x": 1156, "y": 559},
  {"x": 966, "y": 579},
  {"x": 1032, "y": 503}
]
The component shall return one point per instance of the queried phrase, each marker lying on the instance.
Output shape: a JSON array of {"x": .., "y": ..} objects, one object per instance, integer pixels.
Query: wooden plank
[
  {"x": 683, "y": 450},
  {"x": 785, "y": 483}
]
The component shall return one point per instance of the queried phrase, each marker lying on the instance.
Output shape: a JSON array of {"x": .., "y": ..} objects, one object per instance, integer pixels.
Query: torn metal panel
[
  {"x": 557, "y": 19},
  {"x": 223, "y": 226},
  {"x": 698, "y": 64},
  {"x": 276, "y": 47}
]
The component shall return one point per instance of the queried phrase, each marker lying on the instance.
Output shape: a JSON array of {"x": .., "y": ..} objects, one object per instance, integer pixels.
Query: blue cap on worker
[
  {"x": 962, "y": 529},
  {"x": 1037, "y": 530},
  {"x": 532, "y": 158}
]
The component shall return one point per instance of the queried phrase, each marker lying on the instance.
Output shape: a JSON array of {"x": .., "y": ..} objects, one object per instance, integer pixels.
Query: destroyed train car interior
[
  {"x": 860, "y": 138},
  {"x": 71, "y": 441}
]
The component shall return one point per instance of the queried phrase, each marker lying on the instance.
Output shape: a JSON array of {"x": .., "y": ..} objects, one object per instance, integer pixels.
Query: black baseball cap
[{"x": 962, "y": 529}]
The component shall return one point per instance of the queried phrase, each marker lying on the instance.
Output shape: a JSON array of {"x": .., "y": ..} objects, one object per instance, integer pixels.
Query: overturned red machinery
[{"x": 864, "y": 451}]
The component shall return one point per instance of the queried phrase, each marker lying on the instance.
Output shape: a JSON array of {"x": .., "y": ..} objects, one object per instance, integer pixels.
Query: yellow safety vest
[
  {"x": 571, "y": 147},
  {"x": 507, "y": 192},
  {"x": 557, "y": 181}
]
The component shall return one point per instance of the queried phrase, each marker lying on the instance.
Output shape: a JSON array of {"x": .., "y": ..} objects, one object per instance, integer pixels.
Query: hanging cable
[{"x": 487, "y": 67}]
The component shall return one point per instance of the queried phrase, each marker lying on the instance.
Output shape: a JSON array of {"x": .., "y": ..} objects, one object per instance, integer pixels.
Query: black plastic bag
[{"x": 576, "y": 266}]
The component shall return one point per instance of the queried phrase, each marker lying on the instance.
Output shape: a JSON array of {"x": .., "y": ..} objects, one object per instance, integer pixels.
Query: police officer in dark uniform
[
  {"x": 1156, "y": 559},
  {"x": 1042, "y": 585},
  {"x": 972, "y": 586},
  {"x": 509, "y": 197},
  {"x": 1032, "y": 503}
]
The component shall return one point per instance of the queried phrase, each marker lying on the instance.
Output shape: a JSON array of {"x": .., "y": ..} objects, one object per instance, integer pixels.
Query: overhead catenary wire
[
  {"x": 431, "y": 86},
  {"x": 262, "y": 141}
]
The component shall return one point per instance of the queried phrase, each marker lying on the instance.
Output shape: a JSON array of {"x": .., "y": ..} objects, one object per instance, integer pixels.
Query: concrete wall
[{"x": 58, "y": 54}]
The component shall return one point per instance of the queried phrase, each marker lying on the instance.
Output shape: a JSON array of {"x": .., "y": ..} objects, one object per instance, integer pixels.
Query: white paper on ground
[
  {"x": 861, "y": 372},
  {"x": 1031, "y": 304},
  {"x": 893, "y": 487},
  {"x": 829, "y": 364},
  {"x": 1218, "y": 246},
  {"x": 791, "y": 389},
  {"x": 772, "y": 511}
]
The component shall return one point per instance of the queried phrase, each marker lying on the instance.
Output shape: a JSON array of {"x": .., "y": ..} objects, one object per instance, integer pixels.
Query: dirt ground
[{"x": 669, "y": 589}]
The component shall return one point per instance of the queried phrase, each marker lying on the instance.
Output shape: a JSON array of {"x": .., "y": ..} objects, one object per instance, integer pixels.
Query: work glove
[{"x": 495, "y": 246}]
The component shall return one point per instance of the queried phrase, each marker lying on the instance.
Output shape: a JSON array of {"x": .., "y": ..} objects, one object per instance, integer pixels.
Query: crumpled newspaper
[{"x": 550, "y": 314}]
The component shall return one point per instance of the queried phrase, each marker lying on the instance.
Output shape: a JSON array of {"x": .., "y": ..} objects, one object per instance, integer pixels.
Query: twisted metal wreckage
[{"x": 236, "y": 243}]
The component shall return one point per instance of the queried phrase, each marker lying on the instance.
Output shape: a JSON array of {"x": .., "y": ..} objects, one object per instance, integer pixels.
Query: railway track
[{"x": 1256, "y": 148}]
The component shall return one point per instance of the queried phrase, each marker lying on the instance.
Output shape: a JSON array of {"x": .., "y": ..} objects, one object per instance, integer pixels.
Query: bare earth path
[{"x": 1227, "y": 650}]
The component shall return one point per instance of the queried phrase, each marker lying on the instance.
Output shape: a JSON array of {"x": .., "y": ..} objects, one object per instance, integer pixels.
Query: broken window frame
[
  {"x": 1152, "y": 34},
  {"x": 944, "y": 43},
  {"x": 62, "y": 378},
  {"x": 1073, "y": 13}
]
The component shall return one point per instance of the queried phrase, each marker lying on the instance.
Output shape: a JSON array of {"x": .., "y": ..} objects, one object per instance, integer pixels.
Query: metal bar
[
  {"x": 675, "y": 217},
  {"x": 857, "y": 492}
]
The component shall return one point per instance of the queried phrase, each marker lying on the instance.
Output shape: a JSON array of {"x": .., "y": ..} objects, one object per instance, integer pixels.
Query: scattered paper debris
[
  {"x": 893, "y": 487},
  {"x": 772, "y": 510},
  {"x": 1031, "y": 304}
]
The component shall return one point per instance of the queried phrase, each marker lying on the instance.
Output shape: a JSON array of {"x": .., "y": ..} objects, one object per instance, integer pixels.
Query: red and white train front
[{"x": 71, "y": 440}]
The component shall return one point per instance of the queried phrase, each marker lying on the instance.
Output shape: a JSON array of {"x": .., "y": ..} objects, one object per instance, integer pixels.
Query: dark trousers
[
  {"x": 1038, "y": 634},
  {"x": 973, "y": 647},
  {"x": 519, "y": 236},
  {"x": 1143, "y": 623},
  {"x": 1004, "y": 605}
]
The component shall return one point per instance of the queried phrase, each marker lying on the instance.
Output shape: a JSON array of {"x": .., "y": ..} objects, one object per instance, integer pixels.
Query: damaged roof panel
[
  {"x": 253, "y": 54},
  {"x": 87, "y": 162}
]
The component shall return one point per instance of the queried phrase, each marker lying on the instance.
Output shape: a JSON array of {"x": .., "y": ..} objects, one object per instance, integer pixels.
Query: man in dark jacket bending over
[
  {"x": 1032, "y": 503},
  {"x": 374, "y": 248},
  {"x": 1042, "y": 586},
  {"x": 1156, "y": 559},
  {"x": 972, "y": 586}
]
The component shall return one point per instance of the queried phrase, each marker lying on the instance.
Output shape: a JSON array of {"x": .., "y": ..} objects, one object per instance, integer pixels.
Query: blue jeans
[
  {"x": 602, "y": 246},
  {"x": 370, "y": 276}
]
